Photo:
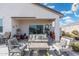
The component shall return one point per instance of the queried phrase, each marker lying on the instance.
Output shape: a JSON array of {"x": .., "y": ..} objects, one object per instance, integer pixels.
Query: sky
[{"x": 66, "y": 9}]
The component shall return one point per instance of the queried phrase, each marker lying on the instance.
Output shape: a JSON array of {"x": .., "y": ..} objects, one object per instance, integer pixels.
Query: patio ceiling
[{"x": 31, "y": 18}]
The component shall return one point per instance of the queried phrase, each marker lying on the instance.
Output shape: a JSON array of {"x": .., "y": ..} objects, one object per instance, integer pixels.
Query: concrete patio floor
[{"x": 3, "y": 50}]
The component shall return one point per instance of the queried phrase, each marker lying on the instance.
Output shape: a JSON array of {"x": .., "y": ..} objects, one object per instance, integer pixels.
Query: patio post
[{"x": 57, "y": 30}]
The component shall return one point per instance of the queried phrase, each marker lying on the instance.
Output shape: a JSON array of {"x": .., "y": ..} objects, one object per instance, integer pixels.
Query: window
[
  {"x": 47, "y": 28},
  {"x": 1, "y": 25},
  {"x": 36, "y": 29}
]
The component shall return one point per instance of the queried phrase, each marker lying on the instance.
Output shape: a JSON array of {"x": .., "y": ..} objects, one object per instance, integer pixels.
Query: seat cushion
[
  {"x": 23, "y": 47},
  {"x": 15, "y": 50}
]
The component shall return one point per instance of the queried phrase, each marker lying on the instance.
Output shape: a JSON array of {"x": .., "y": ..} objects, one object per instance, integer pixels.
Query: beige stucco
[
  {"x": 24, "y": 24},
  {"x": 8, "y": 10}
]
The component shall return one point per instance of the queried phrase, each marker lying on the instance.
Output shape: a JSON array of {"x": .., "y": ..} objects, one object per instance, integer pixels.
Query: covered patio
[
  {"x": 33, "y": 25},
  {"x": 37, "y": 27}
]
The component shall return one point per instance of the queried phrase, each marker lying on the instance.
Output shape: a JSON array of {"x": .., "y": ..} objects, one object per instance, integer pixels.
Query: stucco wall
[
  {"x": 24, "y": 24},
  {"x": 8, "y": 10},
  {"x": 15, "y": 25}
]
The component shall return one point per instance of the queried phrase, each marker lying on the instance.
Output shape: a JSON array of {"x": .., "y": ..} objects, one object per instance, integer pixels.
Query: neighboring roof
[{"x": 52, "y": 10}]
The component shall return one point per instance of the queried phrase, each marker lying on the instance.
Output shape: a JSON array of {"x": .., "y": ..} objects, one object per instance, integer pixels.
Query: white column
[
  {"x": 7, "y": 24},
  {"x": 57, "y": 30}
]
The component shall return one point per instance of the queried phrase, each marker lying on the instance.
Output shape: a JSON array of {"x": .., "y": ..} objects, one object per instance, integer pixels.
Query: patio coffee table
[
  {"x": 38, "y": 46},
  {"x": 39, "y": 41}
]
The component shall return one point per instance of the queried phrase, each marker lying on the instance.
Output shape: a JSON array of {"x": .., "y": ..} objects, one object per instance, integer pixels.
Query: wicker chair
[
  {"x": 63, "y": 46},
  {"x": 6, "y": 36},
  {"x": 14, "y": 47}
]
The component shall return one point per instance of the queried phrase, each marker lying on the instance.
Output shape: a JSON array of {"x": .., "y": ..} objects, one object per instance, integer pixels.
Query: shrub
[
  {"x": 73, "y": 35},
  {"x": 75, "y": 46},
  {"x": 63, "y": 33},
  {"x": 75, "y": 32},
  {"x": 67, "y": 34},
  {"x": 70, "y": 35}
]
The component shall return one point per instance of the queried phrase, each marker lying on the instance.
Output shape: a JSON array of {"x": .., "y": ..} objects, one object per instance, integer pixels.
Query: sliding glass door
[
  {"x": 39, "y": 29},
  {"x": 36, "y": 29}
]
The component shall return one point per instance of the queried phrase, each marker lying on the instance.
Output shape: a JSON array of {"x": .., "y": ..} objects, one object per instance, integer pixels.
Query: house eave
[{"x": 51, "y": 10}]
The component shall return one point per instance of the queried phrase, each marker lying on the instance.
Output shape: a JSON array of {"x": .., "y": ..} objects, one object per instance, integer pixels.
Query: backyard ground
[{"x": 4, "y": 52}]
